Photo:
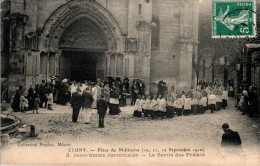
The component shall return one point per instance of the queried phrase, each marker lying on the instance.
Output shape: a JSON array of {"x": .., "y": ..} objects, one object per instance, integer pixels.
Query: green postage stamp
[{"x": 233, "y": 18}]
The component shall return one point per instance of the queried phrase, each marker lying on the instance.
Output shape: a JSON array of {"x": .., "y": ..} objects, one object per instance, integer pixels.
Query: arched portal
[
  {"x": 80, "y": 32},
  {"x": 83, "y": 45}
]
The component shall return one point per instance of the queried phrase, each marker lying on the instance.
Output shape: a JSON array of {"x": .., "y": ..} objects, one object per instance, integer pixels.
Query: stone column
[
  {"x": 188, "y": 43},
  {"x": 116, "y": 64},
  {"x": 47, "y": 66},
  {"x": 57, "y": 62},
  {"x": 195, "y": 61},
  {"x": 107, "y": 55},
  {"x": 36, "y": 66},
  {"x": 185, "y": 65},
  {"x": 143, "y": 57}
]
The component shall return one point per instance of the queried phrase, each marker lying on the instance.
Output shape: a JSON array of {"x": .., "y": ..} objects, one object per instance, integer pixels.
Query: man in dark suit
[
  {"x": 87, "y": 100},
  {"x": 31, "y": 97},
  {"x": 102, "y": 109},
  {"x": 230, "y": 139},
  {"x": 42, "y": 94},
  {"x": 75, "y": 102}
]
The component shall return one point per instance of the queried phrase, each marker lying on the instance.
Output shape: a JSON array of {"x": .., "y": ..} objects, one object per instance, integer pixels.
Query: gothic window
[
  {"x": 29, "y": 64},
  {"x": 31, "y": 41},
  {"x": 126, "y": 66},
  {"x": 52, "y": 64},
  {"x": 24, "y": 4},
  {"x": 58, "y": 65},
  {"x": 43, "y": 63},
  {"x": 119, "y": 65},
  {"x": 112, "y": 64},
  {"x": 116, "y": 65},
  {"x": 131, "y": 45},
  {"x": 140, "y": 9}
]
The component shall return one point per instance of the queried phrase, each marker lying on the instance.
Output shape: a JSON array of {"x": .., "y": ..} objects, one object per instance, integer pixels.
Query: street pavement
[{"x": 202, "y": 130}]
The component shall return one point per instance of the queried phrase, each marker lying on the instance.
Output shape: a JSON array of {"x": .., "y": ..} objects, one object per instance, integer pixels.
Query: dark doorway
[{"x": 81, "y": 65}]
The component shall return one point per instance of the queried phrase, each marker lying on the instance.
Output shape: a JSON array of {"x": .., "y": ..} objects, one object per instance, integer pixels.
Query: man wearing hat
[
  {"x": 230, "y": 139},
  {"x": 75, "y": 102}
]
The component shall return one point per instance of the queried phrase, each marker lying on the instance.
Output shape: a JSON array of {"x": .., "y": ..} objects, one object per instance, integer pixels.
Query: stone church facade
[{"x": 88, "y": 39}]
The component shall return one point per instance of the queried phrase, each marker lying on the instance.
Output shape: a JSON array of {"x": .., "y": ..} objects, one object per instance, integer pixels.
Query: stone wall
[
  {"x": 39, "y": 11},
  {"x": 165, "y": 31},
  {"x": 173, "y": 41},
  {"x": 5, "y": 31}
]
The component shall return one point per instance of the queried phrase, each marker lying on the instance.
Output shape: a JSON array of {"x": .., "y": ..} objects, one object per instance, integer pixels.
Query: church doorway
[
  {"x": 82, "y": 36},
  {"x": 83, "y": 45},
  {"x": 82, "y": 65}
]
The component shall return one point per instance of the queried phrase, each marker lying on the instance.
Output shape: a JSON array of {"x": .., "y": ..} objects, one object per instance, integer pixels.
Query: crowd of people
[
  {"x": 247, "y": 101},
  {"x": 60, "y": 92},
  {"x": 79, "y": 94},
  {"x": 34, "y": 98},
  {"x": 167, "y": 103}
]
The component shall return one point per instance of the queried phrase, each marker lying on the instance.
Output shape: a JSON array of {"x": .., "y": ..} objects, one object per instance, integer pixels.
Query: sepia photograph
[{"x": 130, "y": 82}]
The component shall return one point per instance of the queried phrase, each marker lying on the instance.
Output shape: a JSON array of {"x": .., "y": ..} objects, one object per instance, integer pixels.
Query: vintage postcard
[{"x": 130, "y": 82}]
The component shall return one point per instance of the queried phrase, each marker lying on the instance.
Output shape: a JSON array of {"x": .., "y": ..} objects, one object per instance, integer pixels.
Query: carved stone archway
[
  {"x": 73, "y": 11},
  {"x": 83, "y": 34}
]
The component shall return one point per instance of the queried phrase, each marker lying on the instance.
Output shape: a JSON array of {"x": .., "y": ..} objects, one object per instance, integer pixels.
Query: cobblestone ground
[{"x": 200, "y": 129}]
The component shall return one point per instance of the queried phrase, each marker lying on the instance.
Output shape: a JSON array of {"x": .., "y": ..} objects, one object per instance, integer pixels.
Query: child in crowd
[
  {"x": 212, "y": 102},
  {"x": 183, "y": 97},
  {"x": 138, "y": 107},
  {"x": 162, "y": 106},
  {"x": 187, "y": 105},
  {"x": 37, "y": 102},
  {"x": 195, "y": 103},
  {"x": 22, "y": 102},
  {"x": 154, "y": 107},
  {"x": 50, "y": 101},
  {"x": 158, "y": 101},
  {"x": 146, "y": 107},
  {"x": 218, "y": 102},
  {"x": 179, "y": 105},
  {"x": 241, "y": 100},
  {"x": 243, "y": 103},
  {"x": 224, "y": 99},
  {"x": 26, "y": 103},
  {"x": 203, "y": 104},
  {"x": 170, "y": 105},
  {"x": 143, "y": 103}
]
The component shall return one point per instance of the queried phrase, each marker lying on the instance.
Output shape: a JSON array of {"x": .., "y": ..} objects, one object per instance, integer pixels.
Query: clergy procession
[
  {"x": 110, "y": 95},
  {"x": 173, "y": 103}
]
